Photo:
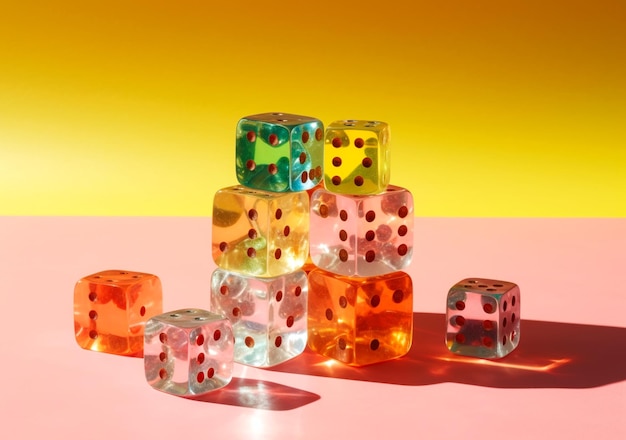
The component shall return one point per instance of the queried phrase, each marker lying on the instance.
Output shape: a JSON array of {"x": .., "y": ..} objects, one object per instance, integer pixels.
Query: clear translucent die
[
  {"x": 188, "y": 352},
  {"x": 360, "y": 321},
  {"x": 356, "y": 157},
  {"x": 483, "y": 318},
  {"x": 260, "y": 233},
  {"x": 362, "y": 235},
  {"x": 279, "y": 152},
  {"x": 269, "y": 315},
  {"x": 111, "y": 309}
]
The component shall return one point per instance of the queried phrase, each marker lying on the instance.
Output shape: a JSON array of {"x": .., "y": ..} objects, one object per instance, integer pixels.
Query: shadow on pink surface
[
  {"x": 549, "y": 355},
  {"x": 259, "y": 394}
]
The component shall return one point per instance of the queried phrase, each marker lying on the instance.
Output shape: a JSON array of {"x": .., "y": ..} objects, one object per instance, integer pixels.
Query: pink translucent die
[
  {"x": 111, "y": 309},
  {"x": 483, "y": 318},
  {"x": 188, "y": 352},
  {"x": 362, "y": 235},
  {"x": 269, "y": 315}
]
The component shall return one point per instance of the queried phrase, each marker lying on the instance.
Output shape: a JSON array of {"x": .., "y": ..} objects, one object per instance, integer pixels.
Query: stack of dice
[
  {"x": 260, "y": 236},
  {"x": 353, "y": 234},
  {"x": 361, "y": 236}
]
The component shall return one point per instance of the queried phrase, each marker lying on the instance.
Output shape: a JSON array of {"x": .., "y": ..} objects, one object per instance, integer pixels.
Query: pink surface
[{"x": 566, "y": 378}]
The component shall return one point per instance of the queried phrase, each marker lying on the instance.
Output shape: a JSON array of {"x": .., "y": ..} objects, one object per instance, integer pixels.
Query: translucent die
[
  {"x": 483, "y": 318},
  {"x": 279, "y": 152},
  {"x": 362, "y": 235},
  {"x": 111, "y": 309},
  {"x": 260, "y": 233},
  {"x": 188, "y": 352},
  {"x": 356, "y": 157},
  {"x": 360, "y": 321},
  {"x": 268, "y": 315}
]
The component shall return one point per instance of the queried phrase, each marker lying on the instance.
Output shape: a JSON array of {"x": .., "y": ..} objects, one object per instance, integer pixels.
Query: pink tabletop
[{"x": 565, "y": 380}]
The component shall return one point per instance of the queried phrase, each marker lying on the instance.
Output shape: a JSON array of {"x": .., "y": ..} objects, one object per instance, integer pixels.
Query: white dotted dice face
[{"x": 188, "y": 352}]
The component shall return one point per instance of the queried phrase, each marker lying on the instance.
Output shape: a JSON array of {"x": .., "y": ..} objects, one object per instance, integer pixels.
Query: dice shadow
[
  {"x": 259, "y": 394},
  {"x": 549, "y": 355}
]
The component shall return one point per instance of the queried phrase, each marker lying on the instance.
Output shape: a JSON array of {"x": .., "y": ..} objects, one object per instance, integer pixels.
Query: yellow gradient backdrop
[{"x": 496, "y": 108}]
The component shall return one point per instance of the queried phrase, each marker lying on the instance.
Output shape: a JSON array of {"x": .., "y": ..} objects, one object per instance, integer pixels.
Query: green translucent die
[
  {"x": 279, "y": 152},
  {"x": 260, "y": 233},
  {"x": 356, "y": 157}
]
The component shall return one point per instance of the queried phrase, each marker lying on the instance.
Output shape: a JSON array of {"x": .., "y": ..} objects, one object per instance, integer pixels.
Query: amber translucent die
[
  {"x": 111, "y": 309},
  {"x": 188, "y": 352},
  {"x": 483, "y": 318},
  {"x": 260, "y": 233},
  {"x": 356, "y": 157},
  {"x": 362, "y": 235},
  {"x": 360, "y": 321}
]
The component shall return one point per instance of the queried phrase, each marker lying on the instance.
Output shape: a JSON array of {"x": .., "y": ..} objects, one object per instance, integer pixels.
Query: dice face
[
  {"x": 356, "y": 157},
  {"x": 279, "y": 152},
  {"x": 483, "y": 318},
  {"x": 268, "y": 315},
  {"x": 260, "y": 233},
  {"x": 362, "y": 235},
  {"x": 188, "y": 352},
  {"x": 360, "y": 321},
  {"x": 111, "y": 309}
]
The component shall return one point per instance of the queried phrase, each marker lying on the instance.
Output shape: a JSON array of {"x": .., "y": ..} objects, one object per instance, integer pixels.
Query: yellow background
[{"x": 496, "y": 108}]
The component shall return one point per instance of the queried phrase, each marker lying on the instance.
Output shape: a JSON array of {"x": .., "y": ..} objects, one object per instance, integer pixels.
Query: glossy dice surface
[
  {"x": 483, "y": 318},
  {"x": 188, "y": 352},
  {"x": 268, "y": 315},
  {"x": 279, "y": 152},
  {"x": 356, "y": 157},
  {"x": 111, "y": 309},
  {"x": 362, "y": 235},
  {"x": 260, "y": 233},
  {"x": 360, "y": 321}
]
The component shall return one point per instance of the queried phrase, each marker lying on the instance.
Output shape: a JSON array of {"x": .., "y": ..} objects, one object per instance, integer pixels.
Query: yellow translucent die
[
  {"x": 356, "y": 157},
  {"x": 111, "y": 309},
  {"x": 260, "y": 233},
  {"x": 360, "y": 321}
]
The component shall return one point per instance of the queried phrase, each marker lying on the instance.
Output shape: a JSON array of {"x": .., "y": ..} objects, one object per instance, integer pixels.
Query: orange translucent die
[
  {"x": 111, "y": 309},
  {"x": 360, "y": 321}
]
